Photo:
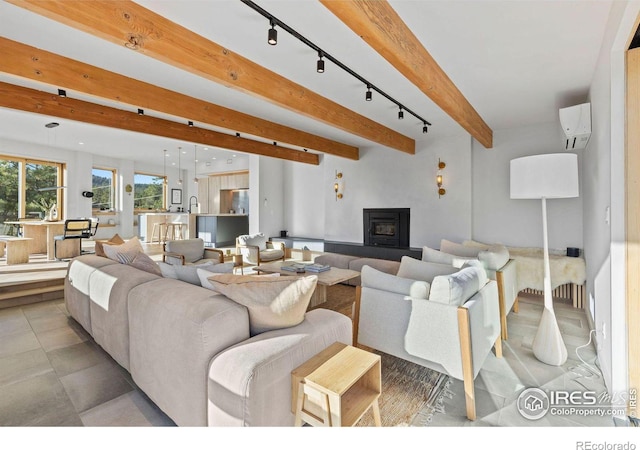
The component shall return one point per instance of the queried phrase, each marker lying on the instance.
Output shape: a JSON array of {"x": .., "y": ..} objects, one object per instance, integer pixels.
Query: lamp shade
[{"x": 553, "y": 175}]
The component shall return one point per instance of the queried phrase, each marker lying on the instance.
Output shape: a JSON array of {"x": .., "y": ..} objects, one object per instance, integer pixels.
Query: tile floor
[
  {"x": 501, "y": 380},
  {"x": 53, "y": 374}
]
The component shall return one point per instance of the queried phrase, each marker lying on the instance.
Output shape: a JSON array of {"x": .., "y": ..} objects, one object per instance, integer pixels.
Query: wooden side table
[{"x": 337, "y": 387}]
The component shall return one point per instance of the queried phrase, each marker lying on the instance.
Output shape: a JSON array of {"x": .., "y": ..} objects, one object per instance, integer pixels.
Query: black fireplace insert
[{"x": 387, "y": 227}]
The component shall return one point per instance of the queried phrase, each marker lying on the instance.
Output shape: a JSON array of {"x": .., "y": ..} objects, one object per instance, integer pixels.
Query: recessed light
[
  {"x": 234, "y": 155},
  {"x": 80, "y": 143},
  {"x": 52, "y": 124},
  {"x": 173, "y": 164}
]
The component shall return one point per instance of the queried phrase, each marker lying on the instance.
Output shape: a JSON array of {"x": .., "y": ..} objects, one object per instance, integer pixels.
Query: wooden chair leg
[
  {"x": 356, "y": 315},
  {"x": 516, "y": 305},
  {"x": 498, "y": 347},
  {"x": 467, "y": 362}
]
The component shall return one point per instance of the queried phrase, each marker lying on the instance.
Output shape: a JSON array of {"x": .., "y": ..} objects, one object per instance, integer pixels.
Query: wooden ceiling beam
[
  {"x": 34, "y": 101},
  {"x": 131, "y": 25},
  {"x": 36, "y": 64},
  {"x": 380, "y": 26}
]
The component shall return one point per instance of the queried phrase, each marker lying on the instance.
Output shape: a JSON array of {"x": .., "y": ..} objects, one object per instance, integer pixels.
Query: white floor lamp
[{"x": 546, "y": 176}]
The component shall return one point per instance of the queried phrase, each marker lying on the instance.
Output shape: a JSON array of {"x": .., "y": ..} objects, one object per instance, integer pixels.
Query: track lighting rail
[{"x": 274, "y": 21}]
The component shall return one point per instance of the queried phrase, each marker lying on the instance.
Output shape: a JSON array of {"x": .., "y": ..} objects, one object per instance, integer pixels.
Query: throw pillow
[
  {"x": 204, "y": 276},
  {"x": 457, "y": 288},
  {"x": 144, "y": 262},
  {"x": 436, "y": 256},
  {"x": 454, "y": 248},
  {"x": 273, "y": 302},
  {"x": 189, "y": 273},
  {"x": 494, "y": 257},
  {"x": 375, "y": 279},
  {"x": 115, "y": 240},
  {"x": 124, "y": 253},
  {"x": 414, "y": 269},
  {"x": 258, "y": 239}
]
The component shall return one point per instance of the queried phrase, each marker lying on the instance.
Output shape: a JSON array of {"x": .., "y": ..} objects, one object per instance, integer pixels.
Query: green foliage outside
[
  {"x": 38, "y": 202},
  {"x": 148, "y": 192},
  {"x": 102, "y": 191}
]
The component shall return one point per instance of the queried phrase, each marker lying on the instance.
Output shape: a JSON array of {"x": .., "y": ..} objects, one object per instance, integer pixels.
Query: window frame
[
  {"x": 22, "y": 183},
  {"x": 114, "y": 186},
  {"x": 164, "y": 190}
]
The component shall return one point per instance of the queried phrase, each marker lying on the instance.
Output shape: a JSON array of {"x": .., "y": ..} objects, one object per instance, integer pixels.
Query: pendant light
[
  {"x": 195, "y": 163},
  {"x": 179, "y": 167},
  {"x": 164, "y": 167}
]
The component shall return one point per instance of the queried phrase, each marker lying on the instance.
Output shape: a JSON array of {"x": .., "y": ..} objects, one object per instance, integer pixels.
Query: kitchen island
[{"x": 218, "y": 230}]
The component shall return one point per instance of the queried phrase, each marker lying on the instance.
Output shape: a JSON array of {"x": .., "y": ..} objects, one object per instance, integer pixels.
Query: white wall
[
  {"x": 518, "y": 223},
  {"x": 604, "y": 168},
  {"x": 266, "y": 200},
  {"x": 383, "y": 178}
]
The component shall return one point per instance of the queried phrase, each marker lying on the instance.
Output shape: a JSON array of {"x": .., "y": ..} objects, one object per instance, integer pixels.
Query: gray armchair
[
  {"x": 258, "y": 249},
  {"x": 448, "y": 322},
  {"x": 190, "y": 251}
]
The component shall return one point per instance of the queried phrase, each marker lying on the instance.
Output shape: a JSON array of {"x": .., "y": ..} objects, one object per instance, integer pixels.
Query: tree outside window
[
  {"x": 103, "y": 188},
  {"x": 149, "y": 191}
]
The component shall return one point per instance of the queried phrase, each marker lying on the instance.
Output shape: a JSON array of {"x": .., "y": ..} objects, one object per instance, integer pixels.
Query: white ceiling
[{"x": 516, "y": 61}]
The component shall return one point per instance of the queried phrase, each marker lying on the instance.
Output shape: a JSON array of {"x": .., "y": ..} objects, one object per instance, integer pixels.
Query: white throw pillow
[
  {"x": 124, "y": 253},
  {"x": 494, "y": 257},
  {"x": 414, "y": 269},
  {"x": 273, "y": 302},
  {"x": 189, "y": 273},
  {"x": 382, "y": 281},
  {"x": 258, "y": 239},
  {"x": 436, "y": 256},
  {"x": 454, "y": 248},
  {"x": 456, "y": 288}
]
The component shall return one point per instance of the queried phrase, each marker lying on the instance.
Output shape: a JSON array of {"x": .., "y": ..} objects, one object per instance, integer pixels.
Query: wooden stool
[
  {"x": 159, "y": 228},
  {"x": 17, "y": 250},
  {"x": 173, "y": 231},
  {"x": 2, "y": 245},
  {"x": 336, "y": 387}
]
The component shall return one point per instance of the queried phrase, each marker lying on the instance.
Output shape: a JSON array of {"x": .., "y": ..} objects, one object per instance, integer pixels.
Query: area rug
[{"x": 411, "y": 394}]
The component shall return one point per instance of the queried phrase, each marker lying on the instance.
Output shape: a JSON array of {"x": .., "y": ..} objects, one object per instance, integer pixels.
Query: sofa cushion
[
  {"x": 124, "y": 253},
  {"x": 273, "y": 302},
  {"x": 144, "y": 262},
  {"x": 494, "y": 257},
  {"x": 335, "y": 260},
  {"x": 375, "y": 279},
  {"x": 414, "y": 269},
  {"x": 454, "y": 248},
  {"x": 271, "y": 254},
  {"x": 115, "y": 240},
  {"x": 189, "y": 273},
  {"x": 456, "y": 288},
  {"x": 437, "y": 256}
]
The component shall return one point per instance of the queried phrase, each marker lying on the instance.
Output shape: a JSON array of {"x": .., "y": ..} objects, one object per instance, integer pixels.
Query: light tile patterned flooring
[{"x": 53, "y": 374}]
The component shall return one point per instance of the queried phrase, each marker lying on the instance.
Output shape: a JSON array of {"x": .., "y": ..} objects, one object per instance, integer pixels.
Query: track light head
[
  {"x": 62, "y": 93},
  {"x": 140, "y": 112},
  {"x": 424, "y": 128},
  {"x": 272, "y": 37},
  {"x": 368, "y": 96},
  {"x": 320, "y": 63},
  {"x": 190, "y": 123},
  {"x": 400, "y": 114}
]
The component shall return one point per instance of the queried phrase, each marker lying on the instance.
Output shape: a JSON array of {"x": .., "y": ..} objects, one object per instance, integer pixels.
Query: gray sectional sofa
[{"x": 190, "y": 349}]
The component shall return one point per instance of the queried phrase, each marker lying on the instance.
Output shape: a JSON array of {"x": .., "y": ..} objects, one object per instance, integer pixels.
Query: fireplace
[{"x": 387, "y": 227}]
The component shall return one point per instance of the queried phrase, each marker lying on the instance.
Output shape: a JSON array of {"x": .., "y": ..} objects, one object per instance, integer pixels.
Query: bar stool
[
  {"x": 173, "y": 231},
  {"x": 160, "y": 229}
]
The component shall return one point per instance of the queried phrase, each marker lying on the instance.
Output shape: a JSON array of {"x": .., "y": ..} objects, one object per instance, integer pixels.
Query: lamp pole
[{"x": 548, "y": 345}]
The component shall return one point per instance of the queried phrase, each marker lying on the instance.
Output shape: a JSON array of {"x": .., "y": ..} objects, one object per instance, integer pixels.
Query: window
[
  {"x": 149, "y": 191},
  {"x": 104, "y": 188},
  {"x": 29, "y": 189}
]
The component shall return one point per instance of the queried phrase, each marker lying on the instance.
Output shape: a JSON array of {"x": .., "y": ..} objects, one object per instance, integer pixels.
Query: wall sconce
[
  {"x": 441, "y": 190},
  {"x": 337, "y": 185}
]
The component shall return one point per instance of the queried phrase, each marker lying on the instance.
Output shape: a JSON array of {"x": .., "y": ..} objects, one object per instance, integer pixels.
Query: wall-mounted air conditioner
[{"x": 576, "y": 124}]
